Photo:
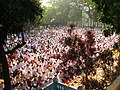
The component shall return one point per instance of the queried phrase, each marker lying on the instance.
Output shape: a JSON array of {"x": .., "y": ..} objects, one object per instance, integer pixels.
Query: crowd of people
[{"x": 41, "y": 59}]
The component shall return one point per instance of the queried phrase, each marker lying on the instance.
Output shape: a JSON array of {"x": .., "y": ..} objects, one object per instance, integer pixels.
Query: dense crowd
[{"x": 41, "y": 59}]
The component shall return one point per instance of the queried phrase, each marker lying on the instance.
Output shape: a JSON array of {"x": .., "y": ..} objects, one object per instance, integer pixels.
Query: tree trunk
[
  {"x": 5, "y": 68},
  {"x": 88, "y": 22},
  {"x": 86, "y": 79},
  {"x": 86, "y": 76},
  {"x": 97, "y": 24}
]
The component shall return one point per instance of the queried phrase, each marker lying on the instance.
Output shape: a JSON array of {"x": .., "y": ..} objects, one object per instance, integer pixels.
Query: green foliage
[
  {"x": 108, "y": 32},
  {"x": 49, "y": 15},
  {"x": 14, "y": 14},
  {"x": 110, "y": 12},
  {"x": 57, "y": 12},
  {"x": 64, "y": 12}
]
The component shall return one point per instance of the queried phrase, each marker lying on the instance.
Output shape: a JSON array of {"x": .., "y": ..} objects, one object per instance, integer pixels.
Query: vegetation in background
[
  {"x": 14, "y": 15},
  {"x": 110, "y": 13},
  {"x": 60, "y": 12}
]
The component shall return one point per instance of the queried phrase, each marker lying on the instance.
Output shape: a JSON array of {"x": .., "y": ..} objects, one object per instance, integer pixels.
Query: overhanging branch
[{"x": 16, "y": 47}]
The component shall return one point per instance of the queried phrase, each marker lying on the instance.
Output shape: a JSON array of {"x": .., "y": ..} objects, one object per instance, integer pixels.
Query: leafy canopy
[
  {"x": 63, "y": 12},
  {"x": 14, "y": 14},
  {"x": 110, "y": 12}
]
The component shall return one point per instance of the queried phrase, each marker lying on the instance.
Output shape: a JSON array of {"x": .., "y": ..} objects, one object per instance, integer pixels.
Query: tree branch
[{"x": 16, "y": 47}]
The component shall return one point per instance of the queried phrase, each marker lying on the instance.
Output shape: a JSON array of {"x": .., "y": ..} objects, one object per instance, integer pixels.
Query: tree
[
  {"x": 81, "y": 49},
  {"x": 109, "y": 10},
  {"x": 88, "y": 60},
  {"x": 14, "y": 14},
  {"x": 64, "y": 12},
  {"x": 57, "y": 12}
]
